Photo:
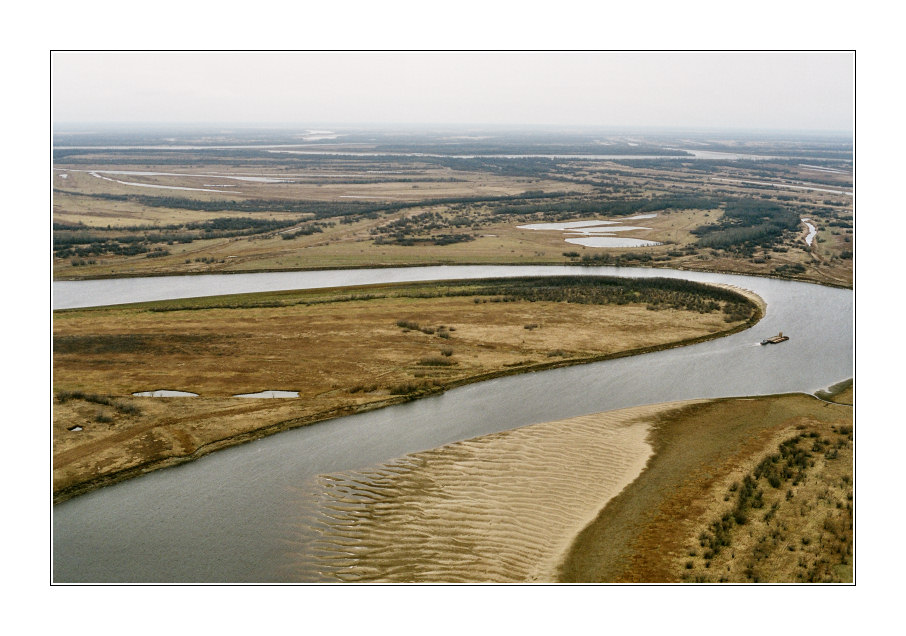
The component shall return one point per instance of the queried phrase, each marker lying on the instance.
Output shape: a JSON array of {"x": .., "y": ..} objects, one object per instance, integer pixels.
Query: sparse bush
[
  {"x": 436, "y": 361},
  {"x": 405, "y": 388},
  {"x": 128, "y": 409}
]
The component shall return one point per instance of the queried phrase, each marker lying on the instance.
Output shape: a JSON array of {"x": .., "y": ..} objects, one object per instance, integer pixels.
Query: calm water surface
[{"x": 241, "y": 514}]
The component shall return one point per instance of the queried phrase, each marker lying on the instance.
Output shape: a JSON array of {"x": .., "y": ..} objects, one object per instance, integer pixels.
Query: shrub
[
  {"x": 128, "y": 409},
  {"x": 404, "y": 388},
  {"x": 436, "y": 361}
]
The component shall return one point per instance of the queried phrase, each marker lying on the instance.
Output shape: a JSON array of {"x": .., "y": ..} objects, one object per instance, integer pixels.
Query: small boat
[{"x": 775, "y": 339}]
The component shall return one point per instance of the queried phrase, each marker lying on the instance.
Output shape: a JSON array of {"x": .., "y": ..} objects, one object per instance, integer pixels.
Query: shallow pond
[
  {"x": 597, "y": 233},
  {"x": 812, "y": 231},
  {"x": 269, "y": 394},
  {"x": 164, "y": 393},
  {"x": 611, "y": 241}
]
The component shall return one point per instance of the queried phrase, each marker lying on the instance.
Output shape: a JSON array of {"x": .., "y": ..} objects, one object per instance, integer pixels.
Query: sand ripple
[{"x": 497, "y": 508}]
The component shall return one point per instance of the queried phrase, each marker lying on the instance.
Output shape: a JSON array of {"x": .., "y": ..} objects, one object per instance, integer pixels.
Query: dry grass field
[{"x": 343, "y": 351}]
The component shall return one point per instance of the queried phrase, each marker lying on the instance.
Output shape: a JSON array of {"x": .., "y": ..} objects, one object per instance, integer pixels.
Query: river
[{"x": 240, "y": 515}]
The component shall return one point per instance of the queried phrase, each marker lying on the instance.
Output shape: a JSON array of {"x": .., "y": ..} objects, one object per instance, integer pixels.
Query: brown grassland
[{"x": 343, "y": 351}]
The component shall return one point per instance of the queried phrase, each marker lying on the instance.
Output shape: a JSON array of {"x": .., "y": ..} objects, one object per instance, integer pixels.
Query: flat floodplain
[
  {"x": 156, "y": 210},
  {"x": 342, "y": 350}
]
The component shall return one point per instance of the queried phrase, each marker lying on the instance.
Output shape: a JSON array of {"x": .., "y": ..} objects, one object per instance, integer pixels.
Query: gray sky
[{"x": 766, "y": 90}]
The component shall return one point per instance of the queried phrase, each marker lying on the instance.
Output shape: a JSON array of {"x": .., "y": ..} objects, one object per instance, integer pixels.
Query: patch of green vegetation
[
  {"x": 437, "y": 361},
  {"x": 787, "y": 468},
  {"x": 655, "y": 293},
  {"x": 747, "y": 224},
  {"x": 124, "y": 343},
  {"x": 74, "y": 240},
  {"x": 122, "y": 407},
  {"x": 834, "y": 390},
  {"x": 789, "y": 269}
]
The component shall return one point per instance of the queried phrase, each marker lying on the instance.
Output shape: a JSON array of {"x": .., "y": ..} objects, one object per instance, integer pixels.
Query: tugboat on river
[{"x": 775, "y": 339}]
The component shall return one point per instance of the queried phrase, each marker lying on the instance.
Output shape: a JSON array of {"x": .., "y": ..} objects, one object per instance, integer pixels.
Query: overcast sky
[{"x": 767, "y": 90}]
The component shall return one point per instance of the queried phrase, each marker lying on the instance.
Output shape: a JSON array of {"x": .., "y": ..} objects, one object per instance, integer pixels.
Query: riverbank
[
  {"x": 808, "y": 277},
  {"x": 344, "y": 351},
  {"x": 716, "y": 503},
  {"x": 622, "y": 496}
]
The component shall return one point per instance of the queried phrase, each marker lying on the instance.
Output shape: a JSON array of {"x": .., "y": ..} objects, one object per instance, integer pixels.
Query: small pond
[
  {"x": 812, "y": 232},
  {"x": 270, "y": 394},
  {"x": 597, "y": 233},
  {"x": 164, "y": 393},
  {"x": 611, "y": 241}
]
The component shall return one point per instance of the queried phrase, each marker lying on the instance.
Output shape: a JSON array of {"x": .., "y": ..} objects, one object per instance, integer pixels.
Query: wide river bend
[{"x": 240, "y": 514}]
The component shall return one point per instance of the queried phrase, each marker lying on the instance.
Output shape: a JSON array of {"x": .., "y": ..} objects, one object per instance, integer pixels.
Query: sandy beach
[{"x": 499, "y": 508}]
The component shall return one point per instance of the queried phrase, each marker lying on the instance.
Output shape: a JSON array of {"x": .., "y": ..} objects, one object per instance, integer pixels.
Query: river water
[{"x": 240, "y": 514}]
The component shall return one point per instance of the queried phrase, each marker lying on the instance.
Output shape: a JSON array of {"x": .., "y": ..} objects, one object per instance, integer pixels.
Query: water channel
[{"x": 239, "y": 515}]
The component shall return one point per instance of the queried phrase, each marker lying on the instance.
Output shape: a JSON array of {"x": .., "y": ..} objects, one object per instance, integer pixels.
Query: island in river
[{"x": 340, "y": 351}]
